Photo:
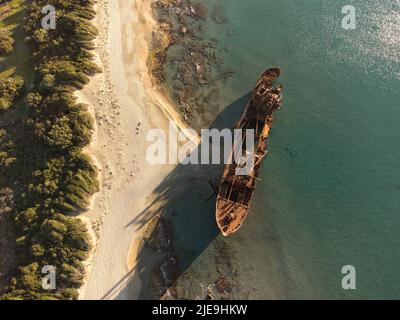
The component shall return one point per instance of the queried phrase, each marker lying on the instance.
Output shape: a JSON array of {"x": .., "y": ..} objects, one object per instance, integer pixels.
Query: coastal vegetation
[
  {"x": 6, "y": 42},
  {"x": 10, "y": 90},
  {"x": 45, "y": 178}
]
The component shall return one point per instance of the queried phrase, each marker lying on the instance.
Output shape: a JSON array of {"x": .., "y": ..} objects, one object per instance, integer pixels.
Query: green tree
[
  {"x": 10, "y": 90},
  {"x": 6, "y": 42}
]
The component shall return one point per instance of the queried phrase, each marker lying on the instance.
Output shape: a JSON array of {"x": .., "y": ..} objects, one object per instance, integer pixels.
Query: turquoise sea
[{"x": 330, "y": 189}]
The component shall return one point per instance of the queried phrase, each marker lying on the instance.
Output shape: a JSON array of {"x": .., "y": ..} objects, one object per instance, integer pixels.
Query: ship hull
[{"x": 236, "y": 192}]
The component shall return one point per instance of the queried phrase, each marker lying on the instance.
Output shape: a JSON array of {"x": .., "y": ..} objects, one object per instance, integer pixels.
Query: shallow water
[{"x": 330, "y": 189}]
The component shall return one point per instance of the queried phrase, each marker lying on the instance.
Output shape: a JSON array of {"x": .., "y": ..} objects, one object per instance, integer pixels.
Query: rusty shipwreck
[{"x": 236, "y": 191}]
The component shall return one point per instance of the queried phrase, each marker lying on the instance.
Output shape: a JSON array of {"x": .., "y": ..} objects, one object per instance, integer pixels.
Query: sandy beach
[{"x": 125, "y": 106}]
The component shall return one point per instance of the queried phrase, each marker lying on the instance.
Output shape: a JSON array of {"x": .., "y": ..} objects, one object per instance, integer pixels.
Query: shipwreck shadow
[{"x": 185, "y": 202}]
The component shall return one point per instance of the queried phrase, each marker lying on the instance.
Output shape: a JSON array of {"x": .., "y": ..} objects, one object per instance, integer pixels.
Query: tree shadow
[
  {"x": 13, "y": 18},
  {"x": 120, "y": 285},
  {"x": 185, "y": 208},
  {"x": 19, "y": 61}
]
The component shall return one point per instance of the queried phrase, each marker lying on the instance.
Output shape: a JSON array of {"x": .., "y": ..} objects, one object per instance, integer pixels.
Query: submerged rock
[
  {"x": 218, "y": 15},
  {"x": 224, "y": 286},
  {"x": 184, "y": 58},
  {"x": 199, "y": 10}
]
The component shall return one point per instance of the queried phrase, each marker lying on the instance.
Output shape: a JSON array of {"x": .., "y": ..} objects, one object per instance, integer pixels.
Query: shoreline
[{"x": 121, "y": 98}]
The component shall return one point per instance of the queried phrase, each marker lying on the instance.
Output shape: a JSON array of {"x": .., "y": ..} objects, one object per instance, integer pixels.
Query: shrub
[
  {"x": 10, "y": 90},
  {"x": 6, "y": 42},
  {"x": 46, "y": 164}
]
